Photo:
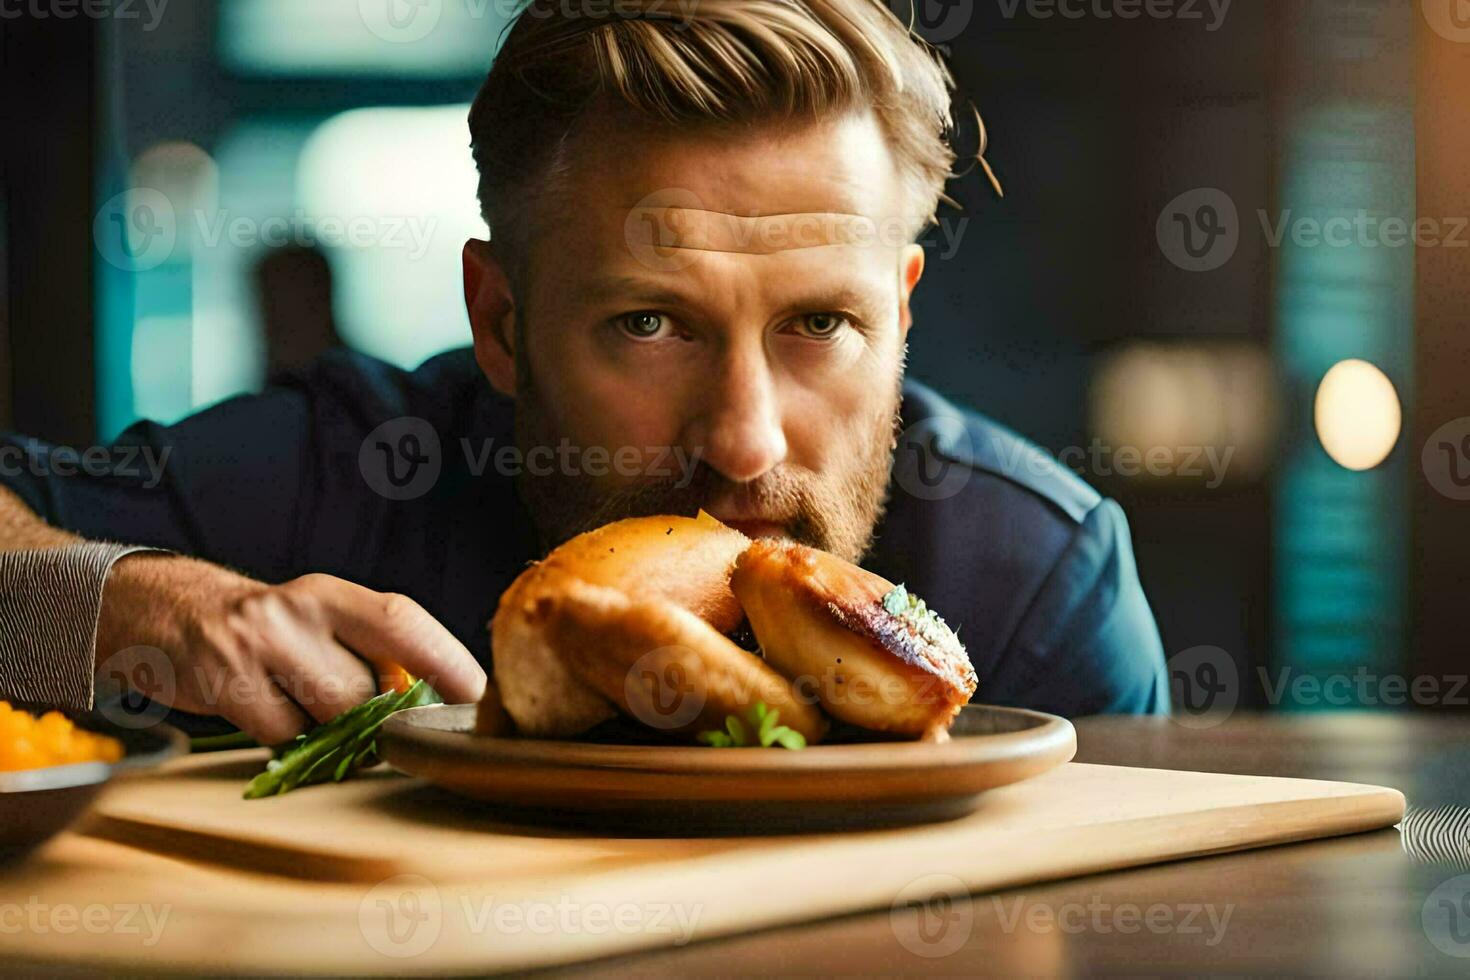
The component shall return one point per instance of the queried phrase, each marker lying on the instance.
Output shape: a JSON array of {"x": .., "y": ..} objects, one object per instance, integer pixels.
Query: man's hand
[{"x": 272, "y": 659}]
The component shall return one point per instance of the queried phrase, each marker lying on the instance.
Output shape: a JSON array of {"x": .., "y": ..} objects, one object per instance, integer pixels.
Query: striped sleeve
[{"x": 50, "y": 600}]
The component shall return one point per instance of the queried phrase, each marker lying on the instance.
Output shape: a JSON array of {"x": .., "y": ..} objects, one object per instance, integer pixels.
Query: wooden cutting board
[{"x": 385, "y": 875}]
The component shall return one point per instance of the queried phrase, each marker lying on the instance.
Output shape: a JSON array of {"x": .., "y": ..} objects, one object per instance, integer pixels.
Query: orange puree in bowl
[{"x": 28, "y": 742}]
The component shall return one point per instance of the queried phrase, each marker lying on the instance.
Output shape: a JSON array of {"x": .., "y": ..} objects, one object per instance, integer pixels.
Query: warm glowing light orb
[{"x": 1358, "y": 415}]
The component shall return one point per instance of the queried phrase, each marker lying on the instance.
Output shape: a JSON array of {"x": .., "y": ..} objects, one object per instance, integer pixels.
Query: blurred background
[{"x": 1227, "y": 283}]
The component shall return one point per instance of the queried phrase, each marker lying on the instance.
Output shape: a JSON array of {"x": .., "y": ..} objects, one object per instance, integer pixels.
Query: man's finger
[
  {"x": 260, "y": 709},
  {"x": 390, "y": 628},
  {"x": 320, "y": 674}
]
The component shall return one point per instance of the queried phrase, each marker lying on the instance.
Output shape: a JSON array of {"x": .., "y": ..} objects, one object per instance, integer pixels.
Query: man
[{"x": 697, "y": 295}]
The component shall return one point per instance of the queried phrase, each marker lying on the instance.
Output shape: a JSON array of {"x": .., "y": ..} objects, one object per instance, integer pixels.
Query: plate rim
[{"x": 1053, "y": 734}]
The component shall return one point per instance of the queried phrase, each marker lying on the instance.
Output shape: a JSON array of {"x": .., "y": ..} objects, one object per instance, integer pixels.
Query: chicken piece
[
  {"x": 868, "y": 651},
  {"x": 685, "y": 561},
  {"x": 662, "y": 665}
]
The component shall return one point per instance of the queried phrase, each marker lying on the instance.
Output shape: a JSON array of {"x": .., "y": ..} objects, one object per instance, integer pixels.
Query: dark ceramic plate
[
  {"x": 36, "y": 804},
  {"x": 682, "y": 789}
]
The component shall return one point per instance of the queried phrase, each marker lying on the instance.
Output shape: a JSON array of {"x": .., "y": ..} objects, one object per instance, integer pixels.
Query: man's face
[{"x": 739, "y": 301}]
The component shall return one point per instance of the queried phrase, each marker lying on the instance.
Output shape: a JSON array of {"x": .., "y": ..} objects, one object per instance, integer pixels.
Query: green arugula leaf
[
  {"x": 789, "y": 738},
  {"x": 762, "y": 722},
  {"x": 716, "y": 740},
  {"x": 334, "y": 751}
]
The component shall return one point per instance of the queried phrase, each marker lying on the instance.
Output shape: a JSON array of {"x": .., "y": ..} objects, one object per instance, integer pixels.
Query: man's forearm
[{"x": 22, "y": 530}]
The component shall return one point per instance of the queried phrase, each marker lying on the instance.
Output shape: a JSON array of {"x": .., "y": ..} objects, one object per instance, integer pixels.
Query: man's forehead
[
  {"x": 757, "y": 191},
  {"x": 657, "y": 225}
]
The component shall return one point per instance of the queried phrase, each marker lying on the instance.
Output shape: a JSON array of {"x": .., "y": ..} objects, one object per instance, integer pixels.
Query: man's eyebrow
[
  {"x": 816, "y": 297},
  {"x": 601, "y": 287}
]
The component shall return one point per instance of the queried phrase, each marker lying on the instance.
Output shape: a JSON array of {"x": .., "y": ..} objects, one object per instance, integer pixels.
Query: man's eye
[
  {"x": 821, "y": 325},
  {"x": 642, "y": 326}
]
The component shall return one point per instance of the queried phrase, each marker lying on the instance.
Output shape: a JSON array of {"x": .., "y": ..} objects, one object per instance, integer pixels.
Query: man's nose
[{"x": 739, "y": 430}]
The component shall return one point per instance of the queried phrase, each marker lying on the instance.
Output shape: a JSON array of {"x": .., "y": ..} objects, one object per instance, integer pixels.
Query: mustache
[{"x": 780, "y": 496}]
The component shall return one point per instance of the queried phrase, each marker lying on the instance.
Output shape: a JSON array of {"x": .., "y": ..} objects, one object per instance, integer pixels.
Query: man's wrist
[{"x": 142, "y": 601}]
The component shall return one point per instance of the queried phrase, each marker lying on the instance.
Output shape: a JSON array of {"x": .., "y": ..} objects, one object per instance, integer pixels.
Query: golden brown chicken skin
[
  {"x": 869, "y": 652},
  {"x": 685, "y": 561},
  {"x": 661, "y": 664}
]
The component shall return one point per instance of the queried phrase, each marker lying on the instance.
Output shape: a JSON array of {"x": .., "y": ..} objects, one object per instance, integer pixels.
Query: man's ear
[
  {"x": 910, "y": 268},
  {"x": 487, "y": 299}
]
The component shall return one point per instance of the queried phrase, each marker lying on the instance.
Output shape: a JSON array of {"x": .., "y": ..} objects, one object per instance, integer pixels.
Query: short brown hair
[{"x": 703, "y": 62}]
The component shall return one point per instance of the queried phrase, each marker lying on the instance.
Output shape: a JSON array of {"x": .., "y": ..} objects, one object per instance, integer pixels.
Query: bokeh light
[{"x": 1358, "y": 414}]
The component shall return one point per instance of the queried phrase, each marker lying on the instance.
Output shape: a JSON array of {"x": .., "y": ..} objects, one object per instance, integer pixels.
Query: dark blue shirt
[{"x": 1031, "y": 565}]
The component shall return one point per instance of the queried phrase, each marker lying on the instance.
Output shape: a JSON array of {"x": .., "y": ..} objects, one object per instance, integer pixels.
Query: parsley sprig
[
  {"x": 905, "y": 605},
  {"x": 758, "y": 729}
]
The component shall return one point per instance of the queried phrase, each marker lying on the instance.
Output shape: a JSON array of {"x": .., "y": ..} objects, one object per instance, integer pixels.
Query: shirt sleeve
[
  {"x": 225, "y": 485},
  {"x": 1089, "y": 644},
  {"x": 50, "y": 600},
  {"x": 268, "y": 484}
]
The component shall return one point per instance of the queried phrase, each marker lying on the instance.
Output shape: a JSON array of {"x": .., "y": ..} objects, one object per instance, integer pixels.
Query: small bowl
[{"x": 37, "y": 804}]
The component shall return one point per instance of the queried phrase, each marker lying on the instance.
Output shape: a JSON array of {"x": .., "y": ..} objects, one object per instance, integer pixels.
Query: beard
[{"x": 837, "y": 511}]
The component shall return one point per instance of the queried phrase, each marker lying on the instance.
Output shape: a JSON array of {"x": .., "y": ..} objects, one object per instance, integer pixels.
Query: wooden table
[{"x": 1350, "y": 906}]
